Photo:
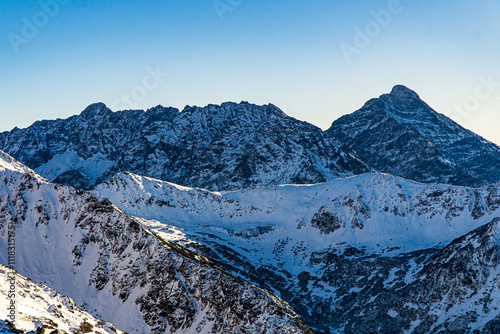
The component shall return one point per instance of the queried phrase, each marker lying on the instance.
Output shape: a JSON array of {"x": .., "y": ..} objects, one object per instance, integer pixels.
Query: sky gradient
[{"x": 57, "y": 57}]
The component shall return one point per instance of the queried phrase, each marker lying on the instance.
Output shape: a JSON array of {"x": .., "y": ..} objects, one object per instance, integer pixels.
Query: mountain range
[
  {"x": 240, "y": 219},
  {"x": 117, "y": 269},
  {"x": 231, "y": 146},
  {"x": 339, "y": 249},
  {"x": 235, "y": 146}
]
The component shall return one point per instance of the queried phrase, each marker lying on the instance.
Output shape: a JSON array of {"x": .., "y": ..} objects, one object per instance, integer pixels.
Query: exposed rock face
[
  {"x": 371, "y": 253},
  {"x": 116, "y": 269},
  {"x": 400, "y": 134},
  {"x": 234, "y": 146},
  {"x": 326, "y": 221},
  {"x": 41, "y": 310},
  {"x": 368, "y": 254},
  {"x": 453, "y": 290},
  {"x": 225, "y": 147}
]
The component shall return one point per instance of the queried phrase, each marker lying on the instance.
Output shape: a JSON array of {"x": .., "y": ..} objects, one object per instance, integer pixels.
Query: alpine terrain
[
  {"x": 231, "y": 146},
  {"x": 367, "y": 254},
  {"x": 43, "y": 310},
  {"x": 120, "y": 271},
  {"x": 400, "y": 134},
  {"x": 237, "y": 218}
]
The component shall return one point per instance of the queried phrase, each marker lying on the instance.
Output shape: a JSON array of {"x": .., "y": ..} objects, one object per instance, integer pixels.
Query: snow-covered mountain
[
  {"x": 400, "y": 134},
  {"x": 234, "y": 146},
  {"x": 118, "y": 270},
  {"x": 373, "y": 212},
  {"x": 342, "y": 252},
  {"x": 40, "y": 308},
  {"x": 225, "y": 147},
  {"x": 336, "y": 251}
]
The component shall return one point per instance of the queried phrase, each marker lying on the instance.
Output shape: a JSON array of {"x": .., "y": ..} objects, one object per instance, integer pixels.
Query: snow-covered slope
[
  {"x": 450, "y": 290},
  {"x": 225, "y": 147},
  {"x": 375, "y": 212},
  {"x": 116, "y": 269},
  {"x": 39, "y": 307},
  {"x": 316, "y": 246},
  {"x": 400, "y": 134}
]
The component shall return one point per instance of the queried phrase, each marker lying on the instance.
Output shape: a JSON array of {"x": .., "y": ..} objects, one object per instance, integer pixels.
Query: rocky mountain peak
[
  {"x": 405, "y": 103},
  {"x": 242, "y": 110},
  {"x": 398, "y": 133},
  {"x": 218, "y": 147},
  {"x": 163, "y": 113},
  {"x": 94, "y": 110},
  {"x": 402, "y": 104},
  {"x": 403, "y": 92}
]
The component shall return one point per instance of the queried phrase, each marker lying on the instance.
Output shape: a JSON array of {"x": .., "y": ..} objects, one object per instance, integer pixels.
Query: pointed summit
[
  {"x": 403, "y": 92},
  {"x": 400, "y": 134},
  {"x": 402, "y": 102}
]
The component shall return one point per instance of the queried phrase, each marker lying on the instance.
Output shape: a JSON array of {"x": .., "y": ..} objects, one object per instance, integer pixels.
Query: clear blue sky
[{"x": 289, "y": 53}]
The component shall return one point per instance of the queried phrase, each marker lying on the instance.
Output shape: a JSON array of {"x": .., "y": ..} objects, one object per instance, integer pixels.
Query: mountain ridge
[
  {"x": 116, "y": 269},
  {"x": 336, "y": 228},
  {"x": 319, "y": 246},
  {"x": 43, "y": 310},
  {"x": 222, "y": 147},
  {"x": 400, "y": 134},
  {"x": 239, "y": 145}
]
